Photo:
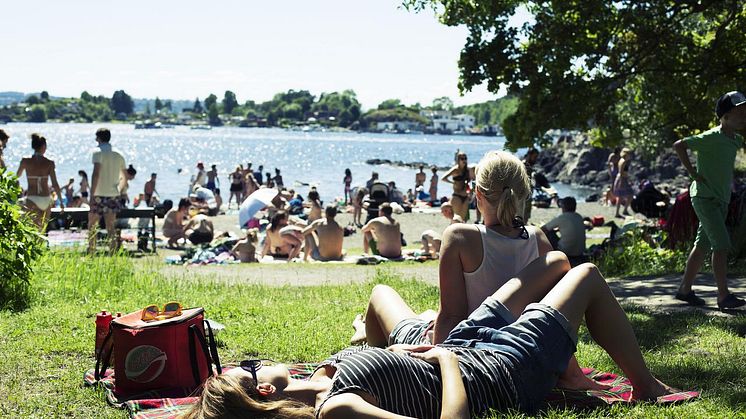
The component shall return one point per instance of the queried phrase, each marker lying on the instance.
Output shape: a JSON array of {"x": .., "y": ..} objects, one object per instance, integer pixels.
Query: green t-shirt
[{"x": 716, "y": 154}]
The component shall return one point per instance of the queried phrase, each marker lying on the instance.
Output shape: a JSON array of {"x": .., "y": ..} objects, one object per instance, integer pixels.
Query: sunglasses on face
[
  {"x": 153, "y": 312},
  {"x": 252, "y": 366}
]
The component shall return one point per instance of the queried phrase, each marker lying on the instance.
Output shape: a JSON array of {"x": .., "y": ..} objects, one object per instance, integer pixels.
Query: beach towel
[{"x": 154, "y": 405}]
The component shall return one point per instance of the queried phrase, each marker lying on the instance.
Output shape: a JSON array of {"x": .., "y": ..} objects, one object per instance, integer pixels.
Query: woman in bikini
[
  {"x": 84, "y": 185},
  {"x": 460, "y": 176},
  {"x": 3, "y": 143},
  {"x": 347, "y": 180},
  {"x": 622, "y": 188},
  {"x": 39, "y": 172},
  {"x": 314, "y": 201},
  {"x": 283, "y": 240},
  {"x": 490, "y": 361},
  {"x": 236, "y": 188}
]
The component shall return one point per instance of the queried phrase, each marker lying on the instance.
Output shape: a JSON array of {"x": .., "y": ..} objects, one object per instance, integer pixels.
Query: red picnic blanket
[{"x": 171, "y": 404}]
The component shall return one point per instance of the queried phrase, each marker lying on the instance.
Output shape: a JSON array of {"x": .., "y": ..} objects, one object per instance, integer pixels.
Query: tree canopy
[
  {"x": 121, "y": 102},
  {"x": 653, "y": 67},
  {"x": 229, "y": 102}
]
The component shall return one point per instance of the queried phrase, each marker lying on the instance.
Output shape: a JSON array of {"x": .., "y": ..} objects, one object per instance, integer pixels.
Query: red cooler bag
[{"x": 159, "y": 355}]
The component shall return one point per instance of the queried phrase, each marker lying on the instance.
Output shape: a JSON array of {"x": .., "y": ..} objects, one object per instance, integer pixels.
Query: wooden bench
[{"x": 80, "y": 215}]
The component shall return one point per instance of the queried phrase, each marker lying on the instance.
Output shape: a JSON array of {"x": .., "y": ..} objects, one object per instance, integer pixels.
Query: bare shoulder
[{"x": 461, "y": 232}]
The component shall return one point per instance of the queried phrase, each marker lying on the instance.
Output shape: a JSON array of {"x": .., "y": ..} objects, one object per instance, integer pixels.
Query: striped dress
[{"x": 407, "y": 386}]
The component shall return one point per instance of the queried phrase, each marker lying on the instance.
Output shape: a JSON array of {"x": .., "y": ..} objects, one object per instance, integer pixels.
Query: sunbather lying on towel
[{"x": 489, "y": 361}]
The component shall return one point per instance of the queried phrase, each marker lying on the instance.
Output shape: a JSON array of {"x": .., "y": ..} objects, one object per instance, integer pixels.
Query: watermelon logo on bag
[{"x": 144, "y": 363}]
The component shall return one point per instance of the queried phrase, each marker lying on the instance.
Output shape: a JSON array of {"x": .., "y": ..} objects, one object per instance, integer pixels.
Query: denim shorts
[
  {"x": 535, "y": 348},
  {"x": 411, "y": 331}
]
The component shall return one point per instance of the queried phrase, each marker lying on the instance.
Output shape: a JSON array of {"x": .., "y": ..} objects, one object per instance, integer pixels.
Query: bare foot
[
  {"x": 359, "y": 325},
  {"x": 651, "y": 391},
  {"x": 576, "y": 380}
]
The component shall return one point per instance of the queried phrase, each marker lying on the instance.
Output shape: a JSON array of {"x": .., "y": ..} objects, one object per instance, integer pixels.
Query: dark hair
[
  {"x": 83, "y": 174},
  {"x": 569, "y": 204},
  {"x": 532, "y": 151},
  {"x": 330, "y": 211},
  {"x": 275, "y": 222},
  {"x": 3, "y": 135},
  {"x": 37, "y": 141},
  {"x": 131, "y": 170},
  {"x": 386, "y": 209},
  {"x": 214, "y": 166},
  {"x": 153, "y": 174},
  {"x": 277, "y": 170},
  {"x": 184, "y": 203},
  {"x": 103, "y": 134},
  {"x": 313, "y": 195},
  {"x": 348, "y": 172}
]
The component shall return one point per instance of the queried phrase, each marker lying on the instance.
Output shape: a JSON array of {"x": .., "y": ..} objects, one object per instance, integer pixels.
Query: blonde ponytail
[{"x": 504, "y": 183}]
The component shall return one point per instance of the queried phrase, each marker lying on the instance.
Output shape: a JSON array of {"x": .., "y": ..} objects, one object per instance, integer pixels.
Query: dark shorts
[
  {"x": 236, "y": 187},
  {"x": 102, "y": 205},
  {"x": 199, "y": 237},
  {"x": 411, "y": 331},
  {"x": 535, "y": 348}
]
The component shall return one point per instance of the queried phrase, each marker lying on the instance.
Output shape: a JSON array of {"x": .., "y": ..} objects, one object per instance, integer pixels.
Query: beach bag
[
  {"x": 174, "y": 353},
  {"x": 597, "y": 220}
]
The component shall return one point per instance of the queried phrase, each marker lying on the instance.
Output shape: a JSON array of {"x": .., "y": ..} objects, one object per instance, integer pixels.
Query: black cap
[{"x": 729, "y": 101}]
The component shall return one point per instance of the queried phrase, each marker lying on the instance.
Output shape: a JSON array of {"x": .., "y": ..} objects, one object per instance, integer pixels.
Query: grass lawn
[{"x": 45, "y": 349}]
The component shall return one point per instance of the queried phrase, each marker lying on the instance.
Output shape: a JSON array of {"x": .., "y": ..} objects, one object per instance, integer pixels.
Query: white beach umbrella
[{"x": 254, "y": 203}]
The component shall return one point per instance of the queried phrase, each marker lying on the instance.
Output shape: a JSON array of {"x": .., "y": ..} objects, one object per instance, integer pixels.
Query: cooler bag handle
[
  {"x": 194, "y": 333},
  {"x": 213, "y": 347},
  {"x": 104, "y": 356}
]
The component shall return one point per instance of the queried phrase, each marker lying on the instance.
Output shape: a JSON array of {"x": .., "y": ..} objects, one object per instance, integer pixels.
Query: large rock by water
[{"x": 574, "y": 160}]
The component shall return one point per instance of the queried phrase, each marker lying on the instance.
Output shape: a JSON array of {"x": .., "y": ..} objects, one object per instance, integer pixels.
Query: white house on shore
[
  {"x": 445, "y": 122},
  {"x": 398, "y": 126}
]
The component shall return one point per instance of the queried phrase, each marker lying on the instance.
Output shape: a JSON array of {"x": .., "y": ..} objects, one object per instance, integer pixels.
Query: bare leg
[
  {"x": 385, "y": 310},
  {"x": 529, "y": 286},
  {"x": 693, "y": 265},
  {"x": 92, "y": 230},
  {"x": 719, "y": 271},
  {"x": 583, "y": 292},
  {"x": 110, "y": 221},
  {"x": 366, "y": 238}
]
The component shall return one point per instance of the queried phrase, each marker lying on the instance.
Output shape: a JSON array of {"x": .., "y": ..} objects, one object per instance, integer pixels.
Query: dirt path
[{"x": 656, "y": 293}]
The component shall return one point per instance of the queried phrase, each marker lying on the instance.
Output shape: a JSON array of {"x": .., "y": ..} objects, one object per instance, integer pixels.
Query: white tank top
[{"x": 502, "y": 258}]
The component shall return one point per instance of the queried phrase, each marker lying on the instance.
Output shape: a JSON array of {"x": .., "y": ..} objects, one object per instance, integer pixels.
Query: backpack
[{"x": 174, "y": 353}]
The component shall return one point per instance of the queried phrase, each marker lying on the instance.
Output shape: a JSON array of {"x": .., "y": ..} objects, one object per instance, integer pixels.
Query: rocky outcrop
[
  {"x": 575, "y": 161},
  {"x": 399, "y": 163}
]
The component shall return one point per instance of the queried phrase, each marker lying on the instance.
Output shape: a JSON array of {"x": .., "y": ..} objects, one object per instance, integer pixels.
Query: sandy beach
[{"x": 413, "y": 224}]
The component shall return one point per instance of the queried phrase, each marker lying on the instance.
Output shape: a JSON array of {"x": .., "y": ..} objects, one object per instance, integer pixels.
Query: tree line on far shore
[{"x": 293, "y": 107}]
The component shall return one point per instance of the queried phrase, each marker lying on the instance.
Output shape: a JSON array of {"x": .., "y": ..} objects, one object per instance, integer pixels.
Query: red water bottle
[{"x": 103, "y": 320}]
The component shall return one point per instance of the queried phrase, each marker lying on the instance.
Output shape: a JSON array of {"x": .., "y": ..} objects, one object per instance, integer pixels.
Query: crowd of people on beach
[{"x": 511, "y": 297}]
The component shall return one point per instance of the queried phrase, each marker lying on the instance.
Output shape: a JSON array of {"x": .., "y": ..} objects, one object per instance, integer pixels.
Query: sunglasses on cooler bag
[
  {"x": 153, "y": 313},
  {"x": 159, "y": 349}
]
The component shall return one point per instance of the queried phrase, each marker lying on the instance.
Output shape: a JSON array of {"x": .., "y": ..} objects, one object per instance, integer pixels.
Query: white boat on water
[
  {"x": 148, "y": 124},
  {"x": 204, "y": 127}
]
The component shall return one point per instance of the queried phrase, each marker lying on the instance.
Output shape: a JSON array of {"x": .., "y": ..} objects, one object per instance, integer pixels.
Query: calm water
[{"x": 316, "y": 157}]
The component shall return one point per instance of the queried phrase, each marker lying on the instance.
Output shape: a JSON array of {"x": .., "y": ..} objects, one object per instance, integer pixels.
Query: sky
[{"x": 186, "y": 49}]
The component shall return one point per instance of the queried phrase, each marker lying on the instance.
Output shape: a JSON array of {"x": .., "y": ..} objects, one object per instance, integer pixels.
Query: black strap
[
  {"x": 104, "y": 356},
  {"x": 205, "y": 350},
  {"x": 213, "y": 347},
  {"x": 193, "y": 355}
]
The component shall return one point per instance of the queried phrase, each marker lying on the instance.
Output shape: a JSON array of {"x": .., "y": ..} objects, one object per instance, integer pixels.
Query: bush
[
  {"x": 20, "y": 245},
  {"x": 634, "y": 255}
]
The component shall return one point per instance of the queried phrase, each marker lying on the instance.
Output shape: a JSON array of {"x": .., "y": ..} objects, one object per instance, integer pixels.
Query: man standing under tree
[
  {"x": 108, "y": 168},
  {"x": 710, "y": 191}
]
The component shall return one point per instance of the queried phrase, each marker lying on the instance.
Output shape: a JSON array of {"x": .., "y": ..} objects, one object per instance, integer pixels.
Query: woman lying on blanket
[
  {"x": 489, "y": 361},
  {"x": 476, "y": 260}
]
